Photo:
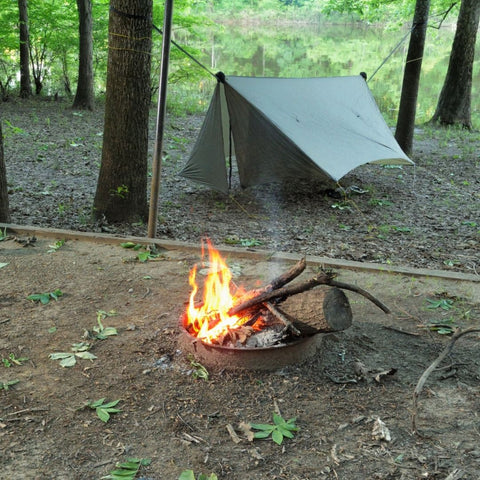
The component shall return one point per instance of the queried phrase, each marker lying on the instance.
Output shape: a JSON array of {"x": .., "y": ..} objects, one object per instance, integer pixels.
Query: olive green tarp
[{"x": 281, "y": 129}]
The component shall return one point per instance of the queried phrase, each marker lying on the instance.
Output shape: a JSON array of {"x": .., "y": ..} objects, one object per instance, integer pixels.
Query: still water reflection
[{"x": 336, "y": 50}]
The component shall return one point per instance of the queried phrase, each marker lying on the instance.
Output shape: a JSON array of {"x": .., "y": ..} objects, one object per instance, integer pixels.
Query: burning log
[
  {"x": 324, "y": 310},
  {"x": 331, "y": 311},
  {"x": 251, "y": 298},
  {"x": 229, "y": 316},
  {"x": 281, "y": 280}
]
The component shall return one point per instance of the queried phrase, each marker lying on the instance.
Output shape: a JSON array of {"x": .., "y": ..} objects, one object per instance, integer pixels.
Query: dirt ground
[
  {"x": 423, "y": 216},
  {"x": 179, "y": 422}
]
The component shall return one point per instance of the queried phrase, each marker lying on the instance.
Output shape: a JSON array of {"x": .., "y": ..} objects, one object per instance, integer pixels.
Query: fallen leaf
[
  {"x": 378, "y": 376},
  {"x": 380, "y": 431},
  {"x": 361, "y": 371},
  {"x": 255, "y": 453},
  {"x": 246, "y": 429}
]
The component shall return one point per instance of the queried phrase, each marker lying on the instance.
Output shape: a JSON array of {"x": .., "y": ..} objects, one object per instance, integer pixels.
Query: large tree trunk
[
  {"x": 411, "y": 77},
  {"x": 84, "y": 97},
  {"x": 454, "y": 103},
  {"x": 121, "y": 194},
  {"x": 4, "y": 211},
  {"x": 25, "y": 85}
]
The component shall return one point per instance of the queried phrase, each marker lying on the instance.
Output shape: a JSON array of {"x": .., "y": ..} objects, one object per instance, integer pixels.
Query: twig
[
  {"x": 457, "y": 474},
  {"x": 450, "y": 367},
  {"x": 185, "y": 423},
  {"x": 28, "y": 410},
  {"x": 278, "y": 314},
  {"x": 101, "y": 464},
  {"x": 250, "y": 215},
  {"x": 154, "y": 411},
  {"x": 340, "y": 381},
  {"x": 421, "y": 382},
  {"x": 444, "y": 16},
  {"x": 233, "y": 434},
  {"x": 279, "y": 281},
  {"x": 362, "y": 292},
  {"x": 399, "y": 330}
]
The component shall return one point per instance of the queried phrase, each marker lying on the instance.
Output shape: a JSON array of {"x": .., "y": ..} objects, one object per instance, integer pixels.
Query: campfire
[{"x": 223, "y": 315}]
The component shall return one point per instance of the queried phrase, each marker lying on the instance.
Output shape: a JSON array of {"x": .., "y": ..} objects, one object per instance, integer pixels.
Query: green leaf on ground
[
  {"x": 56, "y": 246},
  {"x": 104, "y": 409},
  {"x": 100, "y": 332},
  {"x": 278, "y": 430},
  {"x": 45, "y": 298},
  {"x": 12, "y": 360},
  {"x": 444, "y": 304},
  {"x": 7, "y": 385},
  {"x": 133, "y": 246},
  {"x": 127, "y": 470},
  {"x": 69, "y": 359},
  {"x": 199, "y": 371}
]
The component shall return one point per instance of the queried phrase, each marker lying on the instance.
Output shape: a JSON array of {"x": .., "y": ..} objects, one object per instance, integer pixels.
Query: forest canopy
[{"x": 53, "y": 33}]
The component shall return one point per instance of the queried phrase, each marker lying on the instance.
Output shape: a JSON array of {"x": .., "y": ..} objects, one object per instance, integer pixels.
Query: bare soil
[{"x": 180, "y": 422}]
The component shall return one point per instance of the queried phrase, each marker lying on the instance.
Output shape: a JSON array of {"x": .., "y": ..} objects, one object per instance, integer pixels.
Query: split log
[{"x": 323, "y": 310}]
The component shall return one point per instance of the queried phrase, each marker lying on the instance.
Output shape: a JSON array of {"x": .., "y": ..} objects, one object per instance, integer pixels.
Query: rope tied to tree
[
  {"x": 185, "y": 52},
  {"x": 131, "y": 16}
]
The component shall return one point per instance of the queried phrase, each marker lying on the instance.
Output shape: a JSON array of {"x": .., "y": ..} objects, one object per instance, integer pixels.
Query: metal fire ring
[{"x": 249, "y": 358}]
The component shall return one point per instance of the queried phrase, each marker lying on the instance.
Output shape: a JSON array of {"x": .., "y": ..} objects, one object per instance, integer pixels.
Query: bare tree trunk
[
  {"x": 84, "y": 97},
  {"x": 25, "y": 85},
  {"x": 37, "y": 60},
  {"x": 454, "y": 103},
  {"x": 66, "y": 76},
  {"x": 121, "y": 194},
  {"x": 4, "y": 211},
  {"x": 411, "y": 77}
]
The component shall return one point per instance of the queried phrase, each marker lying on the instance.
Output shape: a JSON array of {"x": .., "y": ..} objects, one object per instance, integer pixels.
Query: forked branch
[{"x": 421, "y": 382}]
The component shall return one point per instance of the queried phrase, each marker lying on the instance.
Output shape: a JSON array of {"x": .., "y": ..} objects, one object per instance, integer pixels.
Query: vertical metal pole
[{"x": 162, "y": 101}]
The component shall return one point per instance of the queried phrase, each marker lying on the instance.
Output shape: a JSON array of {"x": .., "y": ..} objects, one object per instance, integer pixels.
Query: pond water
[{"x": 301, "y": 50}]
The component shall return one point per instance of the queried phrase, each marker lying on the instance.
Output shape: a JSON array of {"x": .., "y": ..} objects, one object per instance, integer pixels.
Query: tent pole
[
  {"x": 230, "y": 157},
  {"x": 162, "y": 101}
]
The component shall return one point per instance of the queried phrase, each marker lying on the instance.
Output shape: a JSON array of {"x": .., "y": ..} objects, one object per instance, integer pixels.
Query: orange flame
[{"x": 210, "y": 319}]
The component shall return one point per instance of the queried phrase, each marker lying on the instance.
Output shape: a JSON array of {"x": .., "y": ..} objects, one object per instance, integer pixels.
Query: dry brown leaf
[
  {"x": 380, "y": 431},
  {"x": 378, "y": 376},
  {"x": 246, "y": 429}
]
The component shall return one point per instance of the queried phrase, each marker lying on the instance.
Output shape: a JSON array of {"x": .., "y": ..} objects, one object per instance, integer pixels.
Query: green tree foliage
[
  {"x": 53, "y": 28},
  {"x": 382, "y": 10}
]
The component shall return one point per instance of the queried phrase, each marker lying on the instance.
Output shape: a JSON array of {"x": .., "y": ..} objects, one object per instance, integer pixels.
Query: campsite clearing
[
  {"x": 181, "y": 422},
  {"x": 423, "y": 216}
]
